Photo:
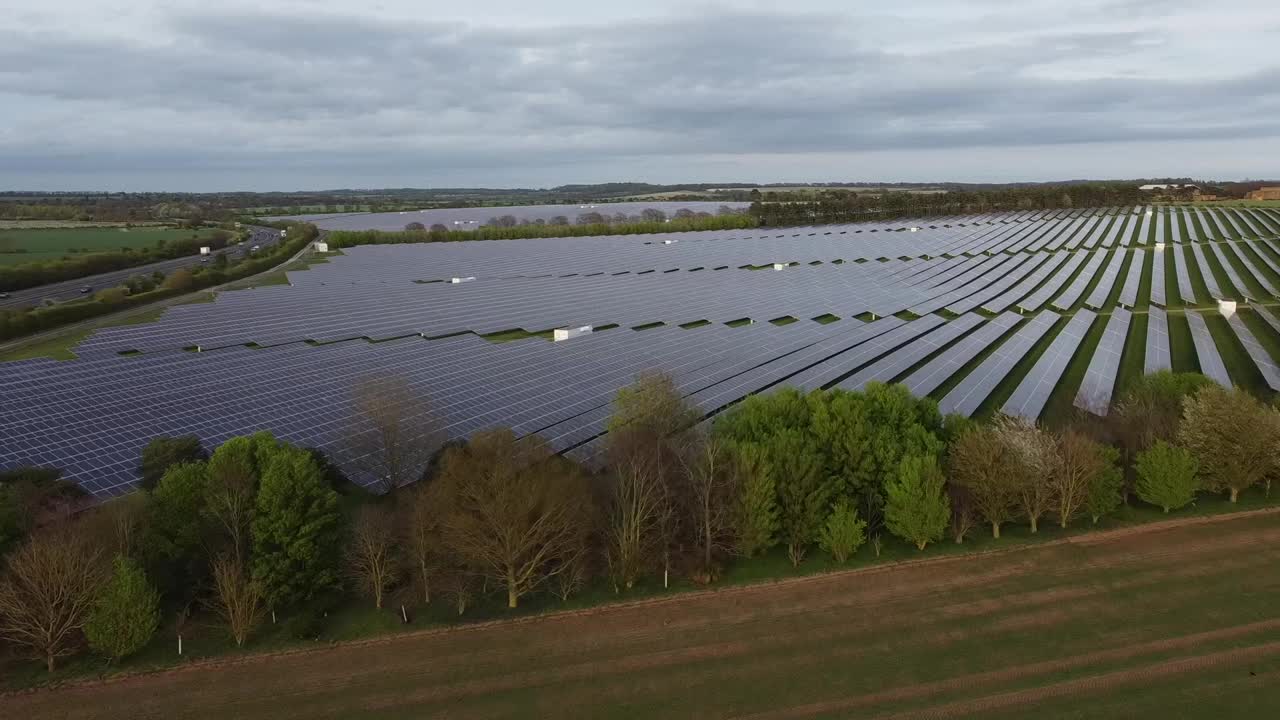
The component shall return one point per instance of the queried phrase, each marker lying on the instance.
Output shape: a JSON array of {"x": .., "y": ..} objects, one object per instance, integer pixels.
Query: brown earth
[{"x": 948, "y": 637}]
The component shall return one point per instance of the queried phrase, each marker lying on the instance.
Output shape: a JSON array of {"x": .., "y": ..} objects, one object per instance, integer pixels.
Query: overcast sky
[{"x": 312, "y": 94}]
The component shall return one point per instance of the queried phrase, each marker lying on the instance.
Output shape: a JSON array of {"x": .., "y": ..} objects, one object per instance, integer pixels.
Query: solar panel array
[
  {"x": 1157, "y": 356},
  {"x": 1029, "y": 398},
  {"x": 1206, "y": 351},
  {"x": 1100, "y": 377},
  {"x": 952, "y": 307}
]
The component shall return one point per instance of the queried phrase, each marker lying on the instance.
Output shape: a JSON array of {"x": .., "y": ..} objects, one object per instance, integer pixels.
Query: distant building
[
  {"x": 1164, "y": 186},
  {"x": 1266, "y": 193}
]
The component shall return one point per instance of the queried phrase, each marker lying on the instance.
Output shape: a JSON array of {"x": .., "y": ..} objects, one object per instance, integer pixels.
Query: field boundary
[{"x": 1086, "y": 538}]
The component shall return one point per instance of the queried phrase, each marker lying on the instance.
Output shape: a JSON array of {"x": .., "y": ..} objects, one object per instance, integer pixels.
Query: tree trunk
[
  {"x": 706, "y": 546},
  {"x": 48, "y": 661},
  {"x": 1235, "y": 494},
  {"x": 511, "y": 589},
  {"x": 920, "y": 544},
  {"x": 995, "y": 530},
  {"x": 426, "y": 586},
  {"x": 1033, "y": 524}
]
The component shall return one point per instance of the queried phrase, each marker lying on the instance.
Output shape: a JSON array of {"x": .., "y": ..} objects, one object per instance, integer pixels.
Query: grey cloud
[{"x": 235, "y": 92}]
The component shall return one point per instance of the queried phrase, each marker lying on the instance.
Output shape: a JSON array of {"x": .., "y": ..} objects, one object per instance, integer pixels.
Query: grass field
[
  {"x": 1175, "y": 620},
  {"x": 54, "y": 243}
]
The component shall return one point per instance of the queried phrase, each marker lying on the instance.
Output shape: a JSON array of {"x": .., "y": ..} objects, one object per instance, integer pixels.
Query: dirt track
[{"x": 970, "y": 635}]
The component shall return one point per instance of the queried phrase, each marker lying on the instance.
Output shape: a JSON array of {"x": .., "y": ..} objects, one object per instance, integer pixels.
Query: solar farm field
[
  {"x": 35, "y": 245},
  {"x": 471, "y": 218},
  {"x": 1176, "y": 620},
  {"x": 1039, "y": 314}
]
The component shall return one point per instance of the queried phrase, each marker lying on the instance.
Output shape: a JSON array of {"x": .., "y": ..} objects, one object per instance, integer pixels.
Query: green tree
[
  {"x": 804, "y": 493},
  {"x": 234, "y": 471},
  {"x": 296, "y": 530},
  {"x": 1167, "y": 476},
  {"x": 1234, "y": 438},
  {"x": 756, "y": 518},
  {"x": 916, "y": 507},
  {"x": 1106, "y": 489},
  {"x": 163, "y": 453},
  {"x": 173, "y": 535},
  {"x": 864, "y": 437},
  {"x": 125, "y": 614},
  {"x": 843, "y": 532}
]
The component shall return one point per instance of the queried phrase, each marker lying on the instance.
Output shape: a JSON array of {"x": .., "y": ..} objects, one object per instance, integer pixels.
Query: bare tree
[
  {"x": 47, "y": 591},
  {"x": 963, "y": 513},
  {"x": 981, "y": 463},
  {"x": 709, "y": 470},
  {"x": 371, "y": 556},
  {"x": 1037, "y": 464},
  {"x": 458, "y": 585},
  {"x": 237, "y": 598},
  {"x": 573, "y": 571},
  {"x": 649, "y": 418},
  {"x": 116, "y": 524},
  {"x": 420, "y": 526},
  {"x": 635, "y": 510},
  {"x": 1080, "y": 461},
  {"x": 395, "y": 434},
  {"x": 515, "y": 509}
]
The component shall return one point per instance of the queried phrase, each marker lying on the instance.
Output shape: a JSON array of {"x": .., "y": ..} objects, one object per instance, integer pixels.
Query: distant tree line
[
  {"x": 557, "y": 227},
  {"x": 143, "y": 289},
  {"x": 260, "y": 532},
  {"x": 837, "y": 206}
]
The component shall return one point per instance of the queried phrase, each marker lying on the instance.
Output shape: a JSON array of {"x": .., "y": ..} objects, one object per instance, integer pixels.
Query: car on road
[
  {"x": 85, "y": 289},
  {"x": 4, "y": 296}
]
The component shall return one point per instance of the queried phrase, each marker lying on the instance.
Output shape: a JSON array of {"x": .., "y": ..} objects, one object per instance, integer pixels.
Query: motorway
[{"x": 70, "y": 289}]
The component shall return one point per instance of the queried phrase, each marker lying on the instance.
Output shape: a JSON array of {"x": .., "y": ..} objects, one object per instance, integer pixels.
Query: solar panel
[
  {"x": 1206, "y": 273},
  {"x": 938, "y": 370},
  {"x": 1157, "y": 356},
  {"x": 1068, "y": 298},
  {"x": 84, "y": 416},
  {"x": 1251, "y": 269},
  {"x": 1207, "y": 353},
  {"x": 1133, "y": 279},
  {"x": 1158, "y": 278},
  {"x": 1261, "y": 358},
  {"x": 1266, "y": 315},
  {"x": 831, "y": 369},
  {"x": 1028, "y": 400},
  {"x": 969, "y": 394},
  {"x": 1099, "y": 381},
  {"x": 1185, "y": 290},
  {"x": 1098, "y": 298},
  {"x": 1051, "y": 287},
  {"x": 896, "y": 363}
]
